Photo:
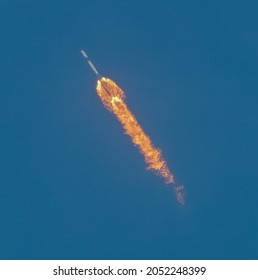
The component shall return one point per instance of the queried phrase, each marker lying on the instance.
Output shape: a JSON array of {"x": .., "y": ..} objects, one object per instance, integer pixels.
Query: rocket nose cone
[{"x": 84, "y": 54}]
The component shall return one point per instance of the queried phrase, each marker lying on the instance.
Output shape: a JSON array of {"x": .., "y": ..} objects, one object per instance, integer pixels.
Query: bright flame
[{"x": 113, "y": 97}]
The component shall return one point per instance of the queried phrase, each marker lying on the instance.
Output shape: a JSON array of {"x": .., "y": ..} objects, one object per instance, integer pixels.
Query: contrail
[{"x": 113, "y": 98}]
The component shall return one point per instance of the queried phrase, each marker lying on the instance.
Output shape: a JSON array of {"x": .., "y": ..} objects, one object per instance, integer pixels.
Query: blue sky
[{"x": 72, "y": 185}]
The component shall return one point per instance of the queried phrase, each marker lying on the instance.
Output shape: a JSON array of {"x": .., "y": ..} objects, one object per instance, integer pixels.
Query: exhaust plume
[{"x": 113, "y": 98}]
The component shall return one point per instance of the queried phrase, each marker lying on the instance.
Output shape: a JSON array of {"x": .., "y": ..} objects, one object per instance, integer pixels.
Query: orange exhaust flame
[{"x": 113, "y": 97}]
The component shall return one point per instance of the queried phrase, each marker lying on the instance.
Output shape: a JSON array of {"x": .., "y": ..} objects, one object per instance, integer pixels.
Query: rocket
[{"x": 93, "y": 68}]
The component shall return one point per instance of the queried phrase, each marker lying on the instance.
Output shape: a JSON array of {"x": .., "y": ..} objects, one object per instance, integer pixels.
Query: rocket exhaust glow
[{"x": 113, "y": 99}]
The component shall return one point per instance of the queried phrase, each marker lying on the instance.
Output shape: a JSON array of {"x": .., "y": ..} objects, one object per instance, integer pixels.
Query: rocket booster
[{"x": 90, "y": 64}]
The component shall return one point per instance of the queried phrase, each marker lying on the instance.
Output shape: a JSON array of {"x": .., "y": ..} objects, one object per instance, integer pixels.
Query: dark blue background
[{"x": 72, "y": 185}]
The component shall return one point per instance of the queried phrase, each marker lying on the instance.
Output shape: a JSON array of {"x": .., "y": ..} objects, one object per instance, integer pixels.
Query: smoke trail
[{"x": 113, "y": 97}]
